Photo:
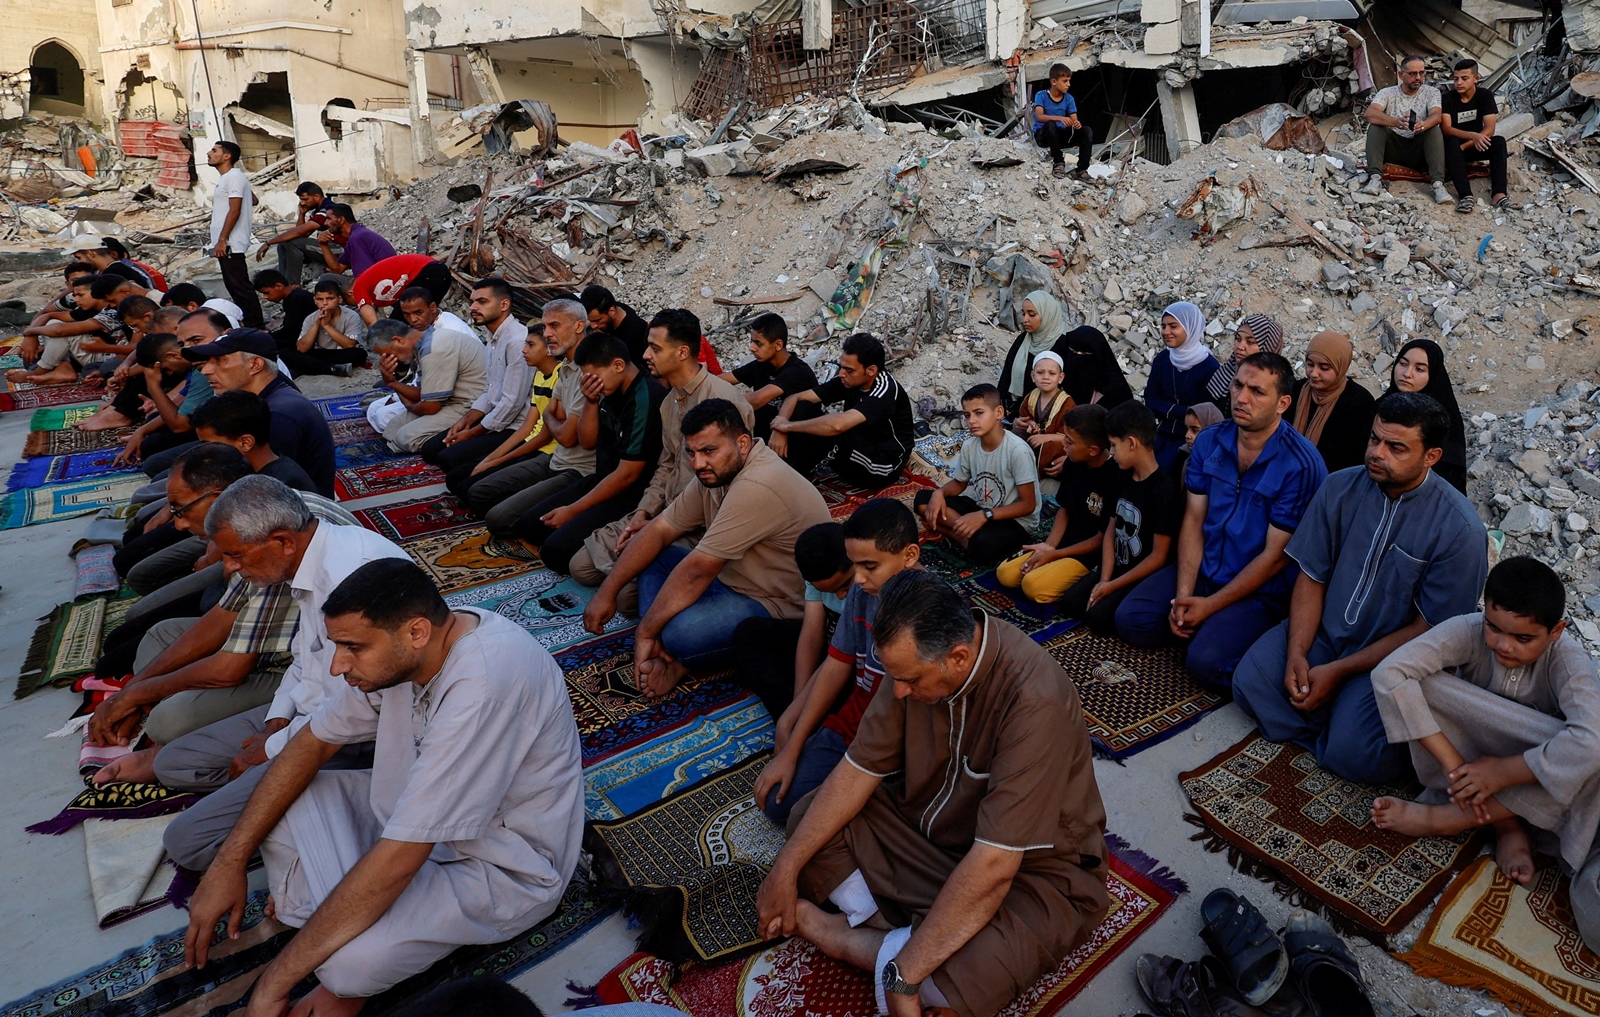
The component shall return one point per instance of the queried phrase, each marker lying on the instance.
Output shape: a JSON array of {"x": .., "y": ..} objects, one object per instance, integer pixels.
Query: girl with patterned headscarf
[
  {"x": 1257, "y": 333},
  {"x": 1178, "y": 376}
]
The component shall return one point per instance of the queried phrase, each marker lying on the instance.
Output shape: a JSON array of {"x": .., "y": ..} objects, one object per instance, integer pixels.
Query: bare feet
[
  {"x": 833, "y": 935},
  {"x": 134, "y": 768},
  {"x": 105, "y": 420},
  {"x": 271, "y": 910},
  {"x": 657, "y": 677},
  {"x": 1512, "y": 851},
  {"x": 1417, "y": 820},
  {"x": 319, "y": 1002}
]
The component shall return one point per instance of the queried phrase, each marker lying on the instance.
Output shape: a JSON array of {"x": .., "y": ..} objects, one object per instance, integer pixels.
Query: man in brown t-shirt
[
  {"x": 753, "y": 507},
  {"x": 991, "y": 838}
]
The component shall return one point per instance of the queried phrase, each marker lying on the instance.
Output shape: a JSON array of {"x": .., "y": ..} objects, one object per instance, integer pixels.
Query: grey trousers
[
  {"x": 166, "y": 565},
  {"x": 187, "y": 586},
  {"x": 199, "y": 761},
  {"x": 292, "y": 258},
  {"x": 1423, "y": 152},
  {"x": 192, "y": 709},
  {"x": 502, "y": 497}
]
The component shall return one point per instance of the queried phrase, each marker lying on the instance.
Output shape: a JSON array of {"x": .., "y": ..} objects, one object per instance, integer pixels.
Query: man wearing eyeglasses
[{"x": 1404, "y": 127}]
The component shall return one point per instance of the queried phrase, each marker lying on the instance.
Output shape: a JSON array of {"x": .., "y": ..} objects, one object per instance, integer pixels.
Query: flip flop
[
  {"x": 1195, "y": 989},
  {"x": 1325, "y": 971},
  {"x": 1239, "y": 937}
]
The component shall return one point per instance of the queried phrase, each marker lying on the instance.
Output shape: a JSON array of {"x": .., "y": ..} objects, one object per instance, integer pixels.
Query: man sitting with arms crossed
[
  {"x": 450, "y": 376},
  {"x": 982, "y": 863},
  {"x": 869, "y": 440},
  {"x": 1386, "y": 551},
  {"x": 753, "y": 508},
  {"x": 466, "y": 830}
]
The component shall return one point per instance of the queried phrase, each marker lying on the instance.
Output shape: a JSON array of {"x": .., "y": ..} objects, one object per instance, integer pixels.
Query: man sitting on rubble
[
  {"x": 674, "y": 337},
  {"x": 360, "y": 248},
  {"x": 962, "y": 836},
  {"x": 753, "y": 508},
  {"x": 870, "y": 439},
  {"x": 299, "y": 240},
  {"x": 1470, "y": 113},
  {"x": 774, "y": 375},
  {"x": 1403, "y": 127},
  {"x": 467, "y": 829},
  {"x": 89, "y": 335},
  {"x": 1386, "y": 551},
  {"x": 449, "y": 376}
]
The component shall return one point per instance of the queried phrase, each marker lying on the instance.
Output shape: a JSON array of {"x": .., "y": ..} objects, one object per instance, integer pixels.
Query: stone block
[
  {"x": 1156, "y": 12},
  {"x": 1526, "y": 517},
  {"x": 1163, "y": 39},
  {"x": 1586, "y": 483},
  {"x": 1534, "y": 461}
]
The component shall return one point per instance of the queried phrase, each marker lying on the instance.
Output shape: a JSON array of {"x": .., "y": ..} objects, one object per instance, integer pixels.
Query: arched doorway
[{"x": 57, "y": 80}]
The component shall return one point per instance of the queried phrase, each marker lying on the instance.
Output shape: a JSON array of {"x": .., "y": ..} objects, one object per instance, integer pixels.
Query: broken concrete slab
[
  {"x": 1163, "y": 39},
  {"x": 1526, "y": 517},
  {"x": 719, "y": 160},
  {"x": 29, "y": 259}
]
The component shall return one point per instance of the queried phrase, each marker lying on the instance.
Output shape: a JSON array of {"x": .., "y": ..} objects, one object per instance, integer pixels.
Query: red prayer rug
[
  {"x": 32, "y": 398},
  {"x": 794, "y": 977},
  {"x": 843, "y": 499},
  {"x": 417, "y": 517},
  {"x": 401, "y": 474}
]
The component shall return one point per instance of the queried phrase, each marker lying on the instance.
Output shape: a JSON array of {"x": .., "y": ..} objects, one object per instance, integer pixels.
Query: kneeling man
[
  {"x": 963, "y": 835},
  {"x": 465, "y": 830}
]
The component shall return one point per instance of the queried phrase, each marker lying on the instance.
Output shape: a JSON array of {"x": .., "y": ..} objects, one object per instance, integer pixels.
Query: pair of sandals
[
  {"x": 1504, "y": 204},
  {"x": 1060, "y": 172},
  {"x": 1250, "y": 964}
]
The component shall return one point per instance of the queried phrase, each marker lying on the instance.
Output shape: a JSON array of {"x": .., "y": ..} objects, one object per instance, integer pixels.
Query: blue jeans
[
  {"x": 1221, "y": 641},
  {"x": 820, "y": 754},
  {"x": 701, "y": 636},
  {"x": 1346, "y": 734}
]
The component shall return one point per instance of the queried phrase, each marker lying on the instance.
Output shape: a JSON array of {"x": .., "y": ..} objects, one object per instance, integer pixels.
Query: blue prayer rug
[
  {"x": 42, "y": 470},
  {"x": 546, "y": 603},
  {"x": 342, "y": 407}
]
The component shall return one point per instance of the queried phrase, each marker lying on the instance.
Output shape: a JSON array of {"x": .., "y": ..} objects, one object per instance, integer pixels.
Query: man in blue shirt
[
  {"x": 1249, "y": 481},
  {"x": 1056, "y": 124},
  {"x": 1386, "y": 551}
]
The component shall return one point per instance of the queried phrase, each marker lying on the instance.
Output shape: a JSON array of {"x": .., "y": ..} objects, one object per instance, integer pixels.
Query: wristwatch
[
  {"x": 988, "y": 514},
  {"x": 892, "y": 982}
]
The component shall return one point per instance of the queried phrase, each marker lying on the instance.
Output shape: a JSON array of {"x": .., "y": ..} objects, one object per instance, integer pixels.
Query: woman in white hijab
[{"x": 1178, "y": 376}]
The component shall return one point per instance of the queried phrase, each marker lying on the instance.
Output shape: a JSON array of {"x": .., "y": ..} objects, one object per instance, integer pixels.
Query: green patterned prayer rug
[
  {"x": 65, "y": 501},
  {"x": 59, "y": 418},
  {"x": 67, "y": 642}
]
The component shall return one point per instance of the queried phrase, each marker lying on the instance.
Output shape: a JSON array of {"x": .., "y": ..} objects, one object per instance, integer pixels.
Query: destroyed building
[{"x": 50, "y": 59}]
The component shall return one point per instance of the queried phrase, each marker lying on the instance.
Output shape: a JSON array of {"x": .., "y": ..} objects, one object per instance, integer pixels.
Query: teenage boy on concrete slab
[
  {"x": 1501, "y": 711},
  {"x": 495, "y": 415},
  {"x": 231, "y": 208},
  {"x": 1403, "y": 127},
  {"x": 1470, "y": 113},
  {"x": 1385, "y": 551},
  {"x": 774, "y": 375},
  {"x": 299, "y": 240},
  {"x": 990, "y": 506},
  {"x": 868, "y": 442},
  {"x": 1056, "y": 125},
  {"x": 753, "y": 508}
]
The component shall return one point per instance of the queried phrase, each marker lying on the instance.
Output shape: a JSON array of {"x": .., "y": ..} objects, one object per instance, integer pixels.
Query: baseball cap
[
  {"x": 85, "y": 242},
  {"x": 239, "y": 340}
]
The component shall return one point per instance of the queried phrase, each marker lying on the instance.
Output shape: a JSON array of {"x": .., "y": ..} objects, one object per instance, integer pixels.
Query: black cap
[{"x": 238, "y": 340}]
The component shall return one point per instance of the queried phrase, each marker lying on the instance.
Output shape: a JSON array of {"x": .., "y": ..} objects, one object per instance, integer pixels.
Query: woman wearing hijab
[
  {"x": 1420, "y": 368},
  {"x": 1257, "y": 333},
  {"x": 1092, "y": 374},
  {"x": 1331, "y": 411},
  {"x": 1178, "y": 376},
  {"x": 1199, "y": 417}
]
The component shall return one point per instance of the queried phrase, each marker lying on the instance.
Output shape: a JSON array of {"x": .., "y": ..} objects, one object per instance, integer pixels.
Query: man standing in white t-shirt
[
  {"x": 230, "y": 229},
  {"x": 1404, "y": 127}
]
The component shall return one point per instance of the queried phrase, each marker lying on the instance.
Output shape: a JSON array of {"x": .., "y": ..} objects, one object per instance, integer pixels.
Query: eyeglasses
[{"x": 178, "y": 510}]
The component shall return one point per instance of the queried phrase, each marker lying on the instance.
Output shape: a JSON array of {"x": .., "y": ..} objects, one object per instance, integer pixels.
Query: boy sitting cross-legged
[
  {"x": 991, "y": 504},
  {"x": 1512, "y": 736}
]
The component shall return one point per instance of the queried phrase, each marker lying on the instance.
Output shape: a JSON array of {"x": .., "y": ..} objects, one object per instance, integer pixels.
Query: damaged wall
[
  {"x": 590, "y": 85},
  {"x": 71, "y": 25}
]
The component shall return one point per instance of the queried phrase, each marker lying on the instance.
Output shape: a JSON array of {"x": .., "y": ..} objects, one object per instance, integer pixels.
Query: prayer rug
[
  {"x": 31, "y": 397},
  {"x": 67, "y": 642},
  {"x": 68, "y": 440},
  {"x": 1132, "y": 698},
  {"x": 460, "y": 559},
  {"x": 42, "y": 470},
  {"x": 979, "y": 585},
  {"x": 418, "y": 517},
  {"x": 369, "y": 452},
  {"x": 60, "y": 418},
  {"x": 843, "y": 499},
  {"x": 635, "y": 779},
  {"x": 128, "y": 874},
  {"x": 600, "y": 683},
  {"x": 934, "y": 456},
  {"x": 66, "y": 501},
  {"x": 794, "y": 977},
  {"x": 691, "y": 865},
  {"x": 116, "y": 801},
  {"x": 348, "y": 432},
  {"x": 96, "y": 574},
  {"x": 1519, "y": 944},
  {"x": 406, "y": 473},
  {"x": 1395, "y": 171},
  {"x": 342, "y": 407},
  {"x": 1281, "y": 816},
  {"x": 546, "y": 603},
  {"x": 650, "y": 721}
]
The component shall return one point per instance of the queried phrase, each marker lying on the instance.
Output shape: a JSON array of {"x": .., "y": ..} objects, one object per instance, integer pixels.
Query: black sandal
[
  {"x": 1325, "y": 971},
  {"x": 1196, "y": 989},
  {"x": 1251, "y": 954}
]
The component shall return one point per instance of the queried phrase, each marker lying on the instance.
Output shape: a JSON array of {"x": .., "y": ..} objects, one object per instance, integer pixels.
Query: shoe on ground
[
  {"x": 1466, "y": 204},
  {"x": 341, "y": 370},
  {"x": 1440, "y": 193},
  {"x": 1374, "y": 184},
  {"x": 1058, "y": 169},
  {"x": 1325, "y": 971},
  {"x": 1238, "y": 936}
]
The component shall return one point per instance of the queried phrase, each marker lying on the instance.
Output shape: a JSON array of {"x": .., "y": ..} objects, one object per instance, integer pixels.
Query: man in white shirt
[
  {"x": 1404, "y": 126},
  {"x": 495, "y": 415},
  {"x": 230, "y": 229},
  {"x": 467, "y": 828},
  {"x": 264, "y": 533}
]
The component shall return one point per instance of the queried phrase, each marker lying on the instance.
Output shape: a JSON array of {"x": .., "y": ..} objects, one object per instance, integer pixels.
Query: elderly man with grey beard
[{"x": 265, "y": 535}]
